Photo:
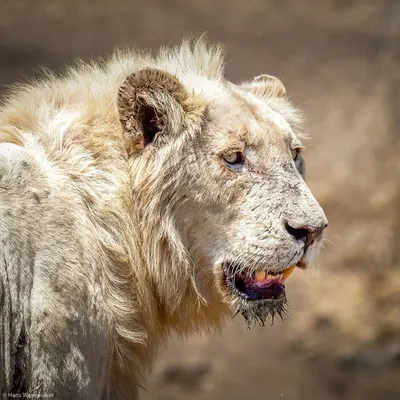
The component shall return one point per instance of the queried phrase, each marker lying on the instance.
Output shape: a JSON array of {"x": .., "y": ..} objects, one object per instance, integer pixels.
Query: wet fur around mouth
[{"x": 258, "y": 311}]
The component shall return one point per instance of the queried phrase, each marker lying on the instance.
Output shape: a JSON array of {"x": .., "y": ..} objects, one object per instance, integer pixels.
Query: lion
[{"x": 142, "y": 195}]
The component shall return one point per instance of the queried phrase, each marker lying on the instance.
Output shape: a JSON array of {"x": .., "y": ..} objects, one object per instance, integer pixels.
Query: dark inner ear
[
  {"x": 153, "y": 105},
  {"x": 150, "y": 125}
]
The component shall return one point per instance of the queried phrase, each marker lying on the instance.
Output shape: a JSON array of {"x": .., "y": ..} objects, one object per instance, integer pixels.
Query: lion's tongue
[{"x": 262, "y": 280}]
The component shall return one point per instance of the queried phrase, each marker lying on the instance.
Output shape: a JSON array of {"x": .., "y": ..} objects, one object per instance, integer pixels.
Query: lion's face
[
  {"x": 256, "y": 217},
  {"x": 235, "y": 194}
]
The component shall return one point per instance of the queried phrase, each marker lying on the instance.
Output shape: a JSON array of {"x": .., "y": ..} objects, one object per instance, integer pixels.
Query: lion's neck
[{"x": 170, "y": 290}]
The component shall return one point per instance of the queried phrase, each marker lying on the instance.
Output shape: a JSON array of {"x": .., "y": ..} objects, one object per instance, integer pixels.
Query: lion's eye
[
  {"x": 234, "y": 159},
  {"x": 298, "y": 160}
]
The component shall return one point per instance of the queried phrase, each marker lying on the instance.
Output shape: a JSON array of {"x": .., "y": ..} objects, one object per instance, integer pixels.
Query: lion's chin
[
  {"x": 257, "y": 294},
  {"x": 258, "y": 311}
]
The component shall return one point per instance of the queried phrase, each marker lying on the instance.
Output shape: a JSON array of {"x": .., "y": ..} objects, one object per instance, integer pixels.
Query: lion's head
[{"x": 218, "y": 178}]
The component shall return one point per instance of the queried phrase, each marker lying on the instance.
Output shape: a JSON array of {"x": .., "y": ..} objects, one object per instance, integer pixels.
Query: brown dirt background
[{"x": 340, "y": 60}]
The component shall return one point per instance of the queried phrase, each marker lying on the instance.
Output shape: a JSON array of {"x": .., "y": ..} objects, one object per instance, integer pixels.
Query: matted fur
[{"x": 100, "y": 256}]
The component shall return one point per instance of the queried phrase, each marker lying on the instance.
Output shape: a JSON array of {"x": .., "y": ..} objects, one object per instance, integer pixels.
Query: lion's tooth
[
  {"x": 288, "y": 272},
  {"x": 260, "y": 276}
]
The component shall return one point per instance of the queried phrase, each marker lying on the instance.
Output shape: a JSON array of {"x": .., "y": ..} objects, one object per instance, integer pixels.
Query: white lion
[{"x": 140, "y": 196}]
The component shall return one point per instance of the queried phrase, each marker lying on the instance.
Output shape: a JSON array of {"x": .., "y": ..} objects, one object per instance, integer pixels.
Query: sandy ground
[{"x": 340, "y": 59}]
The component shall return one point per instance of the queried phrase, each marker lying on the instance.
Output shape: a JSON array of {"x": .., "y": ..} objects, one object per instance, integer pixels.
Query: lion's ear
[
  {"x": 152, "y": 105},
  {"x": 265, "y": 86}
]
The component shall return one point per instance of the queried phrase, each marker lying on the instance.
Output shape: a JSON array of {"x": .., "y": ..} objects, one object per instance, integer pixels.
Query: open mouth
[
  {"x": 256, "y": 285},
  {"x": 258, "y": 294}
]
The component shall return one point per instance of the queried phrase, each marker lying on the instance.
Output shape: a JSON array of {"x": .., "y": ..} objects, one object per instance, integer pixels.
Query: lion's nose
[{"x": 307, "y": 233}]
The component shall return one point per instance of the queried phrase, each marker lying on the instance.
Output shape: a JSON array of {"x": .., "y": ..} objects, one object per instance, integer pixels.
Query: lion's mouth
[{"x": 256, "y": 285}]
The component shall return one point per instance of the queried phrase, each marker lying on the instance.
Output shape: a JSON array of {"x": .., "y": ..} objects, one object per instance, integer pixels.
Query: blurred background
[{"x": 340, "y": 60}]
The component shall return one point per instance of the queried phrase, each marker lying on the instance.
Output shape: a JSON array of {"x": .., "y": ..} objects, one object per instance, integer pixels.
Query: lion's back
[
  {"x": 47, "y": 299},
  {"x": 17, "y": 177}
]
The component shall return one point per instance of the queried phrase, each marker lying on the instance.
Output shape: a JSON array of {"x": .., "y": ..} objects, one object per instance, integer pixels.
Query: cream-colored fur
[{"x": 117, "y": 212}]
